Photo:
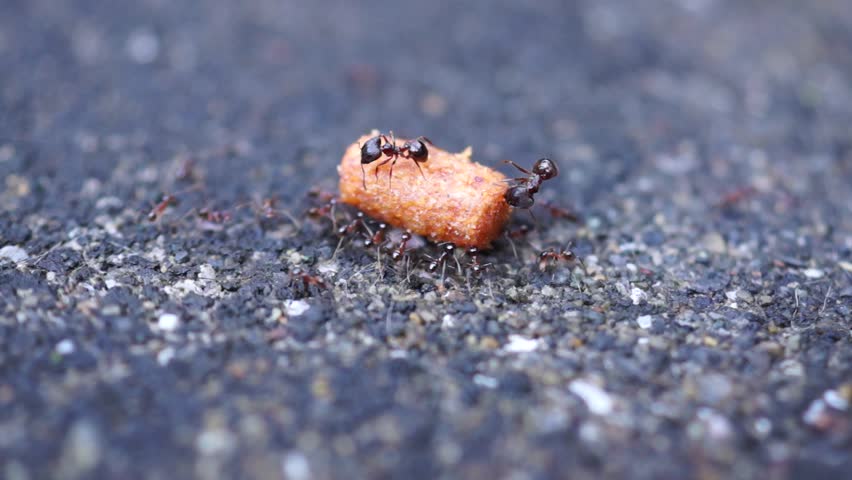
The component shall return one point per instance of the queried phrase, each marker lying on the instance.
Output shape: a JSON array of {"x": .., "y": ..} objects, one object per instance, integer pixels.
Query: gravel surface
[{"x": 706, "y": 144}]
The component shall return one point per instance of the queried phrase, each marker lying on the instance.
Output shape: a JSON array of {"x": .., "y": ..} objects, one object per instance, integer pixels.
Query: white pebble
[
  {"x": 638, "y": 295},
  {"x": 165, "y": 356},
  {"x": 815, "y": 412},
  {"x": 295, "y": 466},
  {"x": 598, "y": 401},
  {"x": 485, "y": 381},
  {"x": 645, "y": 321},
  {"x": 168, "y": 322},
  {"x": 813, "y": 273},
  {"x": 143, "y": 46},
  {"x": 834, "y": 399},
  {"x": 294, "y": 308},
  {"x": 13, "y": 253},
  {"x": 519, "y": 344},
  {"x": 206, "y": 272},
  {"x": 65, "y": 347}
]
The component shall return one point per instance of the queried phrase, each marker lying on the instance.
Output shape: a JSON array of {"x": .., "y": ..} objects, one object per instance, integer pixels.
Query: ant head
[
  {"x": 545, "y": 168},
  {"x": 371, "y": 150},
  {"x": 417, "y": 150},
  {"x": 519, "y": 197}
]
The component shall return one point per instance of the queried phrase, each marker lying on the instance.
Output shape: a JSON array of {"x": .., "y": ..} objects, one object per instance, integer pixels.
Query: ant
[
  {"x": 377, "y": 238},
  {"x": 307, "y": 280},
  {"x": 475, "y": 266},
  {"x": 376, "y": 147},
  {"x": 523, "y": 189},
  {"x": 400, "y": 250},
  {"x": 214, "y": 216},
  {"x": 550, "y": 256},
  {"x": 157, "y": 212}
]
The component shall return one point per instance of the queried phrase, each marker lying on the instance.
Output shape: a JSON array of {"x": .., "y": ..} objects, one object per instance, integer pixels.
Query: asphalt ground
[{"x": 707, "y": 146}]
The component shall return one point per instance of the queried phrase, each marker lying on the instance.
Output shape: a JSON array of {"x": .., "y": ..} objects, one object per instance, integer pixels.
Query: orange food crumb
[{"x": 459, "y": 201}]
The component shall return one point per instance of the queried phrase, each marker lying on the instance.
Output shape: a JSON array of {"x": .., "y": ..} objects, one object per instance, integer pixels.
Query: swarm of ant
[{"x": 395, "y": 249}]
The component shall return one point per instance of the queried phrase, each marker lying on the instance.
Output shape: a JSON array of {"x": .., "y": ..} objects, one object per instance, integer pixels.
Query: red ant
[
  {"x": 736, "y": 196},
  {"x": 551, "y": 256},
  {"x": 157, "y": 212},
  {"x": 376, "y": 147},
  {"x": 378, "y": 237},
  {"x": 474, "y": 264},
  {"x": 400, "y": 250},
  {"x": 523, "y": 189},
  {"x": 214, "y": 216},
  {"x": 307, "y": 280}
]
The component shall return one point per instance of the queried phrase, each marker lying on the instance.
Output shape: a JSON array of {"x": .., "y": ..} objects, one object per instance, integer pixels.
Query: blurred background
[
  {"x": 604, "y": 85},
  {"x": 659, "y": 113}
]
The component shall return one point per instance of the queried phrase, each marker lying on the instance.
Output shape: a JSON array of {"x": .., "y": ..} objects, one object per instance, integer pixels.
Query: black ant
[
  {"x": 523, "y": 189},
  {"x": 376, "y": 147}
]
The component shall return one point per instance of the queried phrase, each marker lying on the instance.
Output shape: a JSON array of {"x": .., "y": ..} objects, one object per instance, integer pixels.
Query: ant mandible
[
  {"x": 523, "y": 189},
  {"x": 376, "y": 147}
]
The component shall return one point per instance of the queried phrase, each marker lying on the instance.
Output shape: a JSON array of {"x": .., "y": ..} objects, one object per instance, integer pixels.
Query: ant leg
[
  {"x": 509, "y": 162},
  {"x": 363, "y": 176},
  {"x": 376, "y": 170},
  {"x": 418, "y": 168},
  {"x": 535, "y": 220},
  {"x": 390, "y": 173}
]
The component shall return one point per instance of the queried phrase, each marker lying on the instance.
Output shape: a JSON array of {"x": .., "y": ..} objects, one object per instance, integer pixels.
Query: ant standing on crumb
[
  {"x": 522, "y": 190},
  {"x": 376, "y": 147}
]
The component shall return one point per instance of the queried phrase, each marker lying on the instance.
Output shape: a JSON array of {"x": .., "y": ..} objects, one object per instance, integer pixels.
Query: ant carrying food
[
  {"x": 523, "y": 189},
  {"x": 379, "y": 146}
]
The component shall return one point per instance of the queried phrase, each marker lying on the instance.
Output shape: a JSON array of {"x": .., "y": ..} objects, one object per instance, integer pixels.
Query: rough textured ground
[{"x": 709, "y": 336}]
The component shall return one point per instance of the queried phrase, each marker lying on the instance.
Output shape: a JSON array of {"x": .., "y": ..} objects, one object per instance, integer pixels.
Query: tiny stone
[
  {"x": 834, "y": 399},
  {"x": 13, "y": 253},
  {"x": 206, "y": 272},
  {"x": 295, "y": 466},
  {"x": 813, "y": 273},
  {"x": 485, "y": 381},
  {"x": 637, "y": 295},
  {"x": 168, "y": 322},
  {"x": 519, "y": 344},
  {"x": 597, "y": 400},
  {"x": 143, "y": 46},
  {"x": 645, "y": 321},
  {"x": 714, "y": 242},
  {"x": 294, "y": 308},
  {"x": 65, "y": 347},
  {"x": 165, "y": 356}
]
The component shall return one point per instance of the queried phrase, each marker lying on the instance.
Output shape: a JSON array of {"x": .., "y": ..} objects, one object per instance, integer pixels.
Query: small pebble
[
  {"x": 143, "y": 46},
  {"x": 168, "y": 322},
  {"x": 598, "y": 401},
  {"x": 13, "y": 253},
  {"x": 294, "y": 308},
  {"x": 519, "y": 344},
  {"x": 637, "y": 295},
  {"x": 65, "y": 347},
  {"x": 645, "y": 321},
  {"x": 813, "y": 273},
  {"x": 295, "y": 466}
]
